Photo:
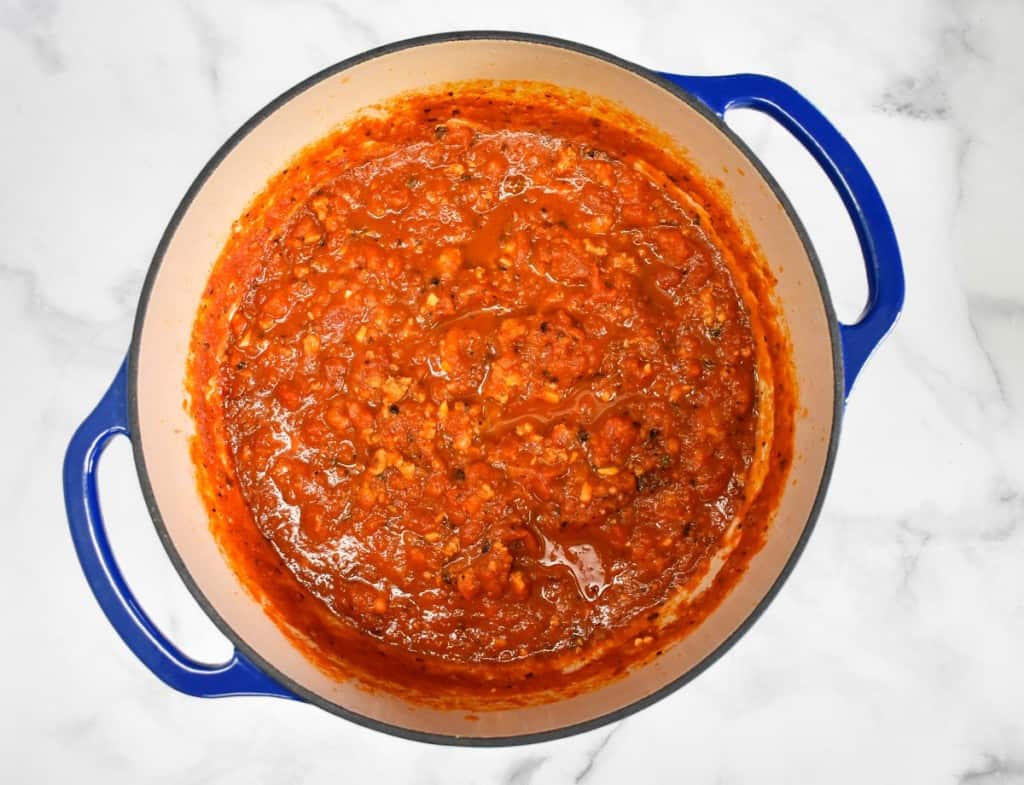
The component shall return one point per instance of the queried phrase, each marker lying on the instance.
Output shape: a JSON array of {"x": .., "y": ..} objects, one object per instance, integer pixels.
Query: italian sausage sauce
[{"x": 476, "y": 389}]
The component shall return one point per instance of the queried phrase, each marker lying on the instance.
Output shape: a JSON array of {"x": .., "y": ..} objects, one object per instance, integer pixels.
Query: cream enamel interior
[{"x": 165, "y": 426}]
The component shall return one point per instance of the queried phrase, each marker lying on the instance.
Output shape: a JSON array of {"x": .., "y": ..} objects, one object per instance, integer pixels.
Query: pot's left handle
[{"x": 237, "y": 676}]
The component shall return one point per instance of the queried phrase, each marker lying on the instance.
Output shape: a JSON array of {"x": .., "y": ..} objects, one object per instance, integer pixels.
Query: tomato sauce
[{"x": 476, "y": 384}]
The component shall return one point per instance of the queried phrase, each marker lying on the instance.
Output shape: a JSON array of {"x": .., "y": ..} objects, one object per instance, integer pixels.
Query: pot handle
[
  {"x": 851, "y": 179},
  {"x": 237, "y": 676}
]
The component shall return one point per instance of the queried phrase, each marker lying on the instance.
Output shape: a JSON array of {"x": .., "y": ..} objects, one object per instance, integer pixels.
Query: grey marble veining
[{"x": 893, "y": 654}]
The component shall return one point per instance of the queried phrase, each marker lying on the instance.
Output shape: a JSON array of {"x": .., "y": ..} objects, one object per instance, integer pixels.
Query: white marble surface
[{"x": 894, "y": 653}]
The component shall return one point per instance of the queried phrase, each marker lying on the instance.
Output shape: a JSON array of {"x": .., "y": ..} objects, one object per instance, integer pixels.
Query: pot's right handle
[
  {"x": 851, "y": 179},
  {"x": 237, "y": 676}
]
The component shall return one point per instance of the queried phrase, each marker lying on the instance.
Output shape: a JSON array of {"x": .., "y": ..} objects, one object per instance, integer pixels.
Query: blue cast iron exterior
[{"x": 116, "y": 413}]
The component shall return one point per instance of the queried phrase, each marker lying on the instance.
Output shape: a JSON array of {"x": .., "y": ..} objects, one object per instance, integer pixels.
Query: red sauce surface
[{"x": 476, "y": 389}]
